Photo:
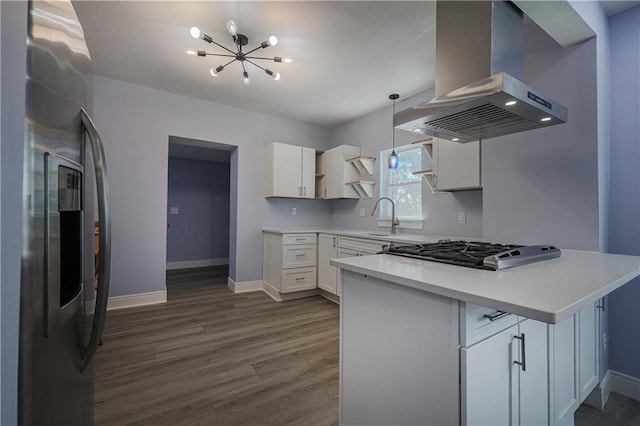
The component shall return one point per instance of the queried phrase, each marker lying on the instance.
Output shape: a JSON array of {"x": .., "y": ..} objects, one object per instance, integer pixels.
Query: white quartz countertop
[
  {"x": 547, "y": 291},
  {"x": 368, "y": 234}
]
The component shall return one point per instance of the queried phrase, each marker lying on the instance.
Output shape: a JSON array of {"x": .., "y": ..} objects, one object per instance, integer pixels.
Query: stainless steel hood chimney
[{"x": 479, "y": 95}]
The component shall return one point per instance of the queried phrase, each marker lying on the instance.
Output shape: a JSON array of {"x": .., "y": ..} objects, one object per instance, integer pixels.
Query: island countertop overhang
[{"x": 547, "y": 291}]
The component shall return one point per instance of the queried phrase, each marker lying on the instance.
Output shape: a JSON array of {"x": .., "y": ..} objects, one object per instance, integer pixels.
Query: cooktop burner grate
[{"x": 474, "y": 254}]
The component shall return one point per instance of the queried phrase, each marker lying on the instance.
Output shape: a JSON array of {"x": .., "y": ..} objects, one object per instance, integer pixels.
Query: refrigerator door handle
[{"x": 104, "y": 255}]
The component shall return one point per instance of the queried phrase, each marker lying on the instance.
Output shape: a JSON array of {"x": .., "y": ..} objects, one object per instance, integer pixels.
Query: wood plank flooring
[{"x": 211, "y": 357}]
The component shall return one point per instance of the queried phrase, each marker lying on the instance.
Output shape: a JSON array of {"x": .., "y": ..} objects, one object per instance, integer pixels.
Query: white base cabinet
[
  {"x": 504, "y": 377},
  {"x": 289, "y": 261},
  {"x": 499, "y": 369},
  {"x": 327, "y": 274}
]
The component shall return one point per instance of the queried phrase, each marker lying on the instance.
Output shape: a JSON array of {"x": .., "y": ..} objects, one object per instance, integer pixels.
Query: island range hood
[{"x": 478, "y": 87}]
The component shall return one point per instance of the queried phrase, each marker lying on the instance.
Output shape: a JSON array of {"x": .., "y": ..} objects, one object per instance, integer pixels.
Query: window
[{"x": 401, "y": 185}]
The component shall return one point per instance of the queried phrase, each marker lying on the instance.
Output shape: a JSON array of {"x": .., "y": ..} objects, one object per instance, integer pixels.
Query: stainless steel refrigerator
[{"x": 64, "y": 166}]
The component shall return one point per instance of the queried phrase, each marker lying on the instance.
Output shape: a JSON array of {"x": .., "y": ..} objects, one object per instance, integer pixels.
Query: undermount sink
[{"x": 378, "y": 234}]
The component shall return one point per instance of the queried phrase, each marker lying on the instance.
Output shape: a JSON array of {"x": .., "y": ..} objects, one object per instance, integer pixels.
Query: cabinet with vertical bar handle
[{"x": 504, "y": 377}]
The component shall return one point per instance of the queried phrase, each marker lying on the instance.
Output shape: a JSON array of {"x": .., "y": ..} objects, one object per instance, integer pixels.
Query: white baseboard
[
  {"x": 141, "y": 299},
  {"x": 599, "y": 396},
  {"x": 330, "y": 296},
  {"x": 202, "y": 263},
  {"x": 130, "y": 301},
  {"x": 244, "y": 287},
  {"x": 283, "y": 297},
  {"x": 624, "y": 385}
]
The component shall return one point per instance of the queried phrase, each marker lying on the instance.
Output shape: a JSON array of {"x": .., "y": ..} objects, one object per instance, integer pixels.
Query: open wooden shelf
[
  {"x": 364, "y": 164},
  {"x": 364, "y": 188}
]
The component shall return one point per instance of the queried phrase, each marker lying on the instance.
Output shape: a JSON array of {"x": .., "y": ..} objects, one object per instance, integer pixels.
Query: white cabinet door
[
  {"x": 534, "y": 386},
  {"x": 327, "y": 274},
  {"x": 339, "y": 172},
  {"x": 308, "y": 174},
  {"x": 488, "y": 394},
  {"x": 290, "y": 171},
  {"x": 284, "y": 171},
  {"x": 563, "y": 366},
  {"x": 504, "y": 377},
  {"x": 457, "y": 165},
  {"x": 588, "y": 350},
  {"x": 334, "y": 174}
]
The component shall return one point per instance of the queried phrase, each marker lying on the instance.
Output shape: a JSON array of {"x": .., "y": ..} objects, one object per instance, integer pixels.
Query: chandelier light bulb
[
  {"x": 288, "y": 60},
  {"x": 232, "y": 27},
  {"x": 239, "y": 54}
]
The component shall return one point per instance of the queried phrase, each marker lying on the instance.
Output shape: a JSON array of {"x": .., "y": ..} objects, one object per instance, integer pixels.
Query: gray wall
[
  {"x": 200, "y": 190},
  {"x": 135, "y": 123},
  {"x": 624, "y": 217},
  {"x": 541, "y": 186},
  {"x": 13, "y": 42},
  {"x": 372, "y": 133}
]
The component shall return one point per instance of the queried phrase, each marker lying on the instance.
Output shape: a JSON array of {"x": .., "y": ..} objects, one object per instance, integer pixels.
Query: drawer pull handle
[
  {"x": 300, "y": 255},
  {"x": 523, "y": 351},
  {"x": 300, "y": 239},
  {"x": 496, "y": 316},
  {"x": 299, "y": 279}
]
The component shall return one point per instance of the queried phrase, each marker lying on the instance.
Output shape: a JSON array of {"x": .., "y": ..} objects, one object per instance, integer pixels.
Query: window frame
[{"x": 384, "y": 210}]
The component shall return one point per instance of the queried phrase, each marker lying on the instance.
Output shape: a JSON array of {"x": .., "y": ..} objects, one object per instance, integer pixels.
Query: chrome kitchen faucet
[{"x": 394, "y": 219}]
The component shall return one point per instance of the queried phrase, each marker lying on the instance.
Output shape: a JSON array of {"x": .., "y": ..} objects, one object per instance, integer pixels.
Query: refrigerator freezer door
[{"x": 53, "y": 388}]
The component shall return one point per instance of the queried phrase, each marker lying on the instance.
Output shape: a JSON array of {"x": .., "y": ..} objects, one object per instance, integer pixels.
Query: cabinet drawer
[
  {"x": 298, "y": 256},
  {"x": 475, "y": 326},
  {"x": 292, "y": 239},
  {"x": 299, "y": 279},
  {"x": 361, "y": 245}
]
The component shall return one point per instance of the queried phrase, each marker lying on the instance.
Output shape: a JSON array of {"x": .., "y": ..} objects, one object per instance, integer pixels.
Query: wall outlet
[
  {"x": 174, "y": 210},
  {"x": 293, "y": 211},
  {"x": 604, "y": 343},
  {"x": 462, "y": 217},
  {"x": 363, "y": 212}
]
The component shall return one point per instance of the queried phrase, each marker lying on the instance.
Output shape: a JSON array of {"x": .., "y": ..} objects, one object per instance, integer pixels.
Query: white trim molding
[
  {"x": 201, "y": 263},
  {"x": 624, "y": 385},
  {"x": 129, "y": 301},
  {"x": 613, "y": 381},
  {"x": 140, "y": 299},
  {"x": 244, "y": 287}
]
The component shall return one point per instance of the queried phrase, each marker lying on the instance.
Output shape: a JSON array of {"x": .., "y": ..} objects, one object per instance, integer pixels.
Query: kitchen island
[{"x": 430, "y": 343}]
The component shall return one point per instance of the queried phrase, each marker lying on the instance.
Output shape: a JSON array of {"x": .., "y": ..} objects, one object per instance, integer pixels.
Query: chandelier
[{"x": 239, "y": 40}]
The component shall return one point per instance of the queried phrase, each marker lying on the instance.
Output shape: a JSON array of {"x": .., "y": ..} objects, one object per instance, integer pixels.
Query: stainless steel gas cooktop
[{"x": 475, "y": 254}]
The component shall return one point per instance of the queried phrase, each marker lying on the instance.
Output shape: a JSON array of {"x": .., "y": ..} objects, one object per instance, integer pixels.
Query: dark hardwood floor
[{"x": 211, "y": 357}]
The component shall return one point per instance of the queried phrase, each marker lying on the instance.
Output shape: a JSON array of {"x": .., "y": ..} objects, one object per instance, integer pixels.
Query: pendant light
[{"x": 394, "y": 159}]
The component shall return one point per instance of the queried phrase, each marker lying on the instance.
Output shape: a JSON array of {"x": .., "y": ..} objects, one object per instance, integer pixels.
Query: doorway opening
[{"x": 201, "y": 204}]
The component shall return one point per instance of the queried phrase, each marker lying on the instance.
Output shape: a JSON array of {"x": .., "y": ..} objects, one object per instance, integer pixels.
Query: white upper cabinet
[
  {"x": 457, "y": 165},
  {"x": 290, "y": 171},
  {"x": 339, "y": 172},
  {"x": 454, "y": 166}
]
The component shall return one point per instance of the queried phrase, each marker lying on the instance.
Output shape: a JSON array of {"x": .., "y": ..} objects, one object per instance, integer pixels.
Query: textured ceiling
[{"x": 348, "y": 56}]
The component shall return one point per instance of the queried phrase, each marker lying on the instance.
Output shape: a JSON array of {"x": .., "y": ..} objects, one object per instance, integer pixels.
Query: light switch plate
[
  {"x": 174, "y": 210},
  {"x": 363, "y": 212},
  {"x": 462, "y": 217},
  {"x": 293, "y": 211}
]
